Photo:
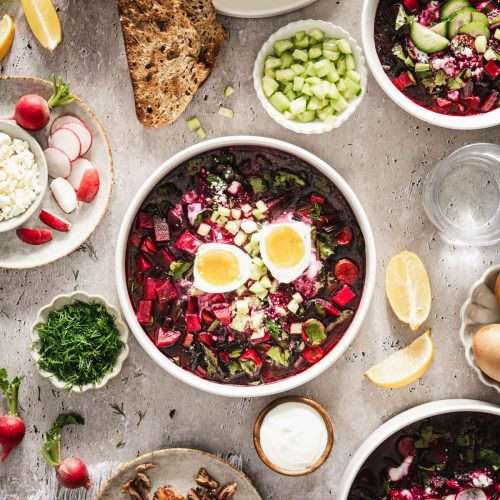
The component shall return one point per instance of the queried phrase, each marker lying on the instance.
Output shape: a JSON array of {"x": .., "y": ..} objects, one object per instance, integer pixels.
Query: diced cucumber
[
  {"x": 280, "y": 101},
  {"x": 422, "y": 67},
  {"x": 315, "y": 52},
  {"x": 323, "y": 67},
  {"x": 481, "y": 43},
  {"x": 282, "y": 46},
  {"x": 298, "y": 83},
  {"x": 340, "y": 105},
  {"x": 290, "y": 95},
  {"x": 272, "y": 62},
  {"x": 452, "y": 6},
  {"x": 300, "y": 55},
  {"x": 344, "y": 46},
  {"x": 341, "y": 86},
  {"x": 193, "y": 124},
  {"x": 300, "y": 35},
  {"x": 269, "y": 86},
  {"x": 271, "y": 73},
  {"x": 316, "y": 34},
  {"x": 490, "y": 55},
  {"x": 496, "y": 36},
  {"x": 441, "y": 28},
  {"x": 288, "y": 115},
  {"x": 228, "y": 91},
  {"x": 352, "y": 87},
  {"x": 333, "y": 91},
  {"x": 475, "y": 28},
  {"x": 480, "y": 17},
  {"x": 287, "y": 88},
  {"x": 353, "y": 75},
  {"x": 226, "y": 112},
  {"x": 426, "y": 40},
  {"x": 321, "y": 89},
  {"x": 306, "y": 90},
  {"x": 298, "y": 105},
  {"x": 303, "y": 43},
  {"x": 332, "y": 55},
  {"x": 458, "y": 19},
  {"x": 313, "y": 80},
  {"x": 341, "y": 66},
  {"x": 333, "y": 76},
  {"x": 314, "y": 104},
  {"x": 326, "y": 114},
  {"x": 330, "y": 44},
  {"x": 350, "y": 63},
  {"x": 284, "y": 75},
  {"x": 286, "y": 60},
  {"x": 298, "y": 69},
  {"x": 310, "y": 71},
  {"x": 306, "y": 116}
]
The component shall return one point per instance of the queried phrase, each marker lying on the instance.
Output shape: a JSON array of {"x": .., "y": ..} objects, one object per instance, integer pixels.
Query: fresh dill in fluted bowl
[{"x": 79, "y": 342}]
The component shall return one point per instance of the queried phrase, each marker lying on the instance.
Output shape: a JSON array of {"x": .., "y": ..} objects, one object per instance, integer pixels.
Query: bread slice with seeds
[{"x": 163, "y": 52}]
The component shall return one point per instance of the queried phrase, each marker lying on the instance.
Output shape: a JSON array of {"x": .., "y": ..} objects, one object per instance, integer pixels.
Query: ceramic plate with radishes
[{"x": 79, "y": 165}]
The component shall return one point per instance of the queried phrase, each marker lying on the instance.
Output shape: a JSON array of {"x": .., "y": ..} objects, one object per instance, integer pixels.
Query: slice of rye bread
[
  {"x": 163, "y": 52},
  {"x": 203, "y": 16}
]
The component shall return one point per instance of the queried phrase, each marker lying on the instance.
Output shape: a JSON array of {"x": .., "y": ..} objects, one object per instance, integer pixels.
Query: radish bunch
[
  {"x": 12, "y": 427},
  {"x": 71, "y": 472}
]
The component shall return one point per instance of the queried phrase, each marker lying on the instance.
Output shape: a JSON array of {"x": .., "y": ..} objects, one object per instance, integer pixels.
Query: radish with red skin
[
  {"x": 66, "y": 141},
  {"x": 64, "y": 194},
  {"x": 89, "y": 186},
  {"x": 12, "y": 426},
  {"x": 58, "y": 163},
  {"x": 63, "y": 120},
  {"x": 78, "y": 169},
  {"x": 346, "y": 271},
  {"x": 54, "y": 221},
  {"x": 34, "y": 235},
  {"x": 70, "y": 472},
  {"x": 83, "y": 134}
]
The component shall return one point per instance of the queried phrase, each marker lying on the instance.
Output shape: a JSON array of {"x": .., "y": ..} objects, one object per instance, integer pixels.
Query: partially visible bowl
[
  {"x": 480, "y": 309},
  {"x": 57, "y": 303},
  {"x": 331, "y": 30},
  {"x": 399, "y": 422},
  {"x": 471, "y": 122},
  {"x": 16, "y": 132}
]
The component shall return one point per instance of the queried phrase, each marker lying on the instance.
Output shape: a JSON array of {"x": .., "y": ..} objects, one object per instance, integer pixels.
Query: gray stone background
[{"x": 382, "y": 152}]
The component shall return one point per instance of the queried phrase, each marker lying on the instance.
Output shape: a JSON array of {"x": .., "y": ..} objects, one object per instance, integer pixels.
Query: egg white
[
  {"x": 244, "y": 263},
  {"x": 287, "y": 274}
]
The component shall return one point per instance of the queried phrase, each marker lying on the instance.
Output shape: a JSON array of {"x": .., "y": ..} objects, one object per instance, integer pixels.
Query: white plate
[
  {"x": 14, "y": 254},
  {"x": 178, "y": 467},
  {"x": 258, "y": 8}
]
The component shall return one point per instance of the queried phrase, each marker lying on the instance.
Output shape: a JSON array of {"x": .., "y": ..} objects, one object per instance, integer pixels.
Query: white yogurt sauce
[{"x": 293, "y": 436}]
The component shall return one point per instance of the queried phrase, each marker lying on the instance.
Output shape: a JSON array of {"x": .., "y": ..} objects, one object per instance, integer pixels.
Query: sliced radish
[
  {"x": 66, "y": 141},
  {"x": 78, "y": 168},
  {"x": 83, "y": 134},
  {"x": 63, "y": 120},
  {"x": 54, "y": 221},
  {"x": 64, "y": 194},
  {"x": 89, "y": 186},
  {"x": 57, "y": 162},
  {"x": 34, "y": 236}
]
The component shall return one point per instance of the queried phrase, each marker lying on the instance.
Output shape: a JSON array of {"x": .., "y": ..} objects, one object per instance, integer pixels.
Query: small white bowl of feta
[{"x": 23, "y": 176}]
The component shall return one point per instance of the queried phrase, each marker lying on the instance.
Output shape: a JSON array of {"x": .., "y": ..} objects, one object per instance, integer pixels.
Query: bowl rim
[
  {"x": 472, "y": 122},
  {"x": 67, "y": 298},
  {"x": 282, "y": 385},
  {"x": 16, "y": 132},
  {"x": 316, "y": 127},
  {"x": 402, "y": 420}
]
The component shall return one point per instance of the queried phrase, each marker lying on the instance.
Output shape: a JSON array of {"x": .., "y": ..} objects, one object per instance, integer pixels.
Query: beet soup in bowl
[
  {"x": 439, "y": 60},
  {"x": 245, "y": 266}
]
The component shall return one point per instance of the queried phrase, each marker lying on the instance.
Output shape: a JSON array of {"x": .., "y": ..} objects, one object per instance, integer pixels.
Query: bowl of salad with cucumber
[
  {"x": 437, "y": 59},
  {"x": 310, "y": 76}
]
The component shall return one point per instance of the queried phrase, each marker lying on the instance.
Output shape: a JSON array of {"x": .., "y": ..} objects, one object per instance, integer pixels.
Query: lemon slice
[
  {"x": 7, "y": 32},
  {"x": 408, "y": 289},
  {"x": 44, "y": 22},
  {"x": 405, "y": 366}
]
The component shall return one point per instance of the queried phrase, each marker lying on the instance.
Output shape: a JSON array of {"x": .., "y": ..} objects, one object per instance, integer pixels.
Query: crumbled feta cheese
[{"x": 19, "y": 177}]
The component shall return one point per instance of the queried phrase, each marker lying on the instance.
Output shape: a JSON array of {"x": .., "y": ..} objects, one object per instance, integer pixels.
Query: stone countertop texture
[{"x": 381, "y": 151}]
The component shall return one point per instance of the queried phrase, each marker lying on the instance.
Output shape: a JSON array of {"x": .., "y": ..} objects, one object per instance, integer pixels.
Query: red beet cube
[
  {"x": 222, "y": 313},
  {"x": 145, "y": 312},
  {"x": 192, "y": 306},
  {"x": 187, "y": 242},
  {"x": 344, "y": 296},
  {"x": 188, "y": 340},
  {"x": 166, "y": 291},
  {"x": 404, "y": 80},
  {"x": 148, "y": 246},
  {"x": 193, "y": 323},
  {"x": 166, "y": 257},
  {"x": 205, "y": 338},
  {"x": 150, "y": 285},
  {"x": 167, "y": 338},
  {"x": 317, "y": 199},
  {"x": 493, "y": 69},
  {"x": 135, "y": 239},
  {"x": 143, "y": 264},
  {"x": 490, "y": 102},
  {"x": 225, "y": 358},
  {"x": 144, "y": 220},
  {"x": 161, "y": 229},
  {"x": 473, "y": 103}
]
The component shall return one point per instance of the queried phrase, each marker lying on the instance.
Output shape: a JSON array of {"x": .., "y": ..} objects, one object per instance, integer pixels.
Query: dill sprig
[{"x": 79, "y": 343}]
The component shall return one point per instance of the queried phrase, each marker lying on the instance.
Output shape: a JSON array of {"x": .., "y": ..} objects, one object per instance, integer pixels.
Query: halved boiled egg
[
  {"x": 285, "y": 249},
  {"x": 220, "y": 268}
]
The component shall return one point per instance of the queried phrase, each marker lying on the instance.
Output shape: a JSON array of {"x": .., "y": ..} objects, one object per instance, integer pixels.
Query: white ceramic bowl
[
  {"x": 237, "y": 390},
  {"x": 57, "y": 303},
  {"x": 16, "y": 132},
  {"x": 401, "y": 421},
  {"x": 331, "y": 30},
  {"x": 479, "y": 121},
  {"x": 480, "y": 309}
]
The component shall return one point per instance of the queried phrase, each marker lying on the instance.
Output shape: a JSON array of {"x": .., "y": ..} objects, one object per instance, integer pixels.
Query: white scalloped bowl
[
  {"x": 331, "y": 30},
  {"x": 478, "y": 310},
  {"x": 57, "y": 303}
]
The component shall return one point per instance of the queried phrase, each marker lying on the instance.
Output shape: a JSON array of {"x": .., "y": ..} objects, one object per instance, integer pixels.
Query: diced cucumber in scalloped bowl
[{"x": 310, "y": 76}]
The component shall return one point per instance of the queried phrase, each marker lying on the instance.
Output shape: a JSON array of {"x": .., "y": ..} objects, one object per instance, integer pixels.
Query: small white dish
[
  {"x": 16, "y": 132},
  {"x": 480, "y": 309},
  {"x": 331, "y": 30},
  {"x": 57, "y": 303},
  {"x": 258, "y": 8}
]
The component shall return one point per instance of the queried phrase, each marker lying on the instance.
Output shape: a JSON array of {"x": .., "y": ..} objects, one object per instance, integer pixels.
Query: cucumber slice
[
  {"x": 269, "y": 86},
  {"x": 481, "y": 44},
  {"x": 426, "y": 40},
  {"x": 422, "y": 67},
  {"x": 271, "y": 73},
  {"x": 441, "y": 28},
  {"x": 280, "y": 101},
  {"x": 333, "y": 91},
  {"x": 451, "y": 6},
  {"x": 282, "y": 46},
  {"x": 480, "y": 17},
  {"x": 310, "y": 71},
  {"x": 475, "y": 28},
  {"x": 458, "y": 19}
]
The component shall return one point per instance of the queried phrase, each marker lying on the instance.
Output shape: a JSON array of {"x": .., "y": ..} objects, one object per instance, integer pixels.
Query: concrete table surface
[{"x": 382, "y": 152}]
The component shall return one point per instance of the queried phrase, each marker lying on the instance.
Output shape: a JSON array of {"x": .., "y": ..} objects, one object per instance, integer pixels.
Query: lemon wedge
[
  {"x": 44, "y": 22},
  {"x": 7, "y": 32},
  {"x": 408, "y": 289},
  {"x": 405, "y": 366}
]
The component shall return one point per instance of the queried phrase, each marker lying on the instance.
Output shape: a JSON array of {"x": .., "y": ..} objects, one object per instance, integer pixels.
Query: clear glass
[{"x": 462, "y": 195}]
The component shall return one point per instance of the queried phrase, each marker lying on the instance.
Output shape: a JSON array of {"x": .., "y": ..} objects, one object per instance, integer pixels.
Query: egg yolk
[
  {"x": 285, "y": 247},
  {"x": 218, "y": 267}
]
